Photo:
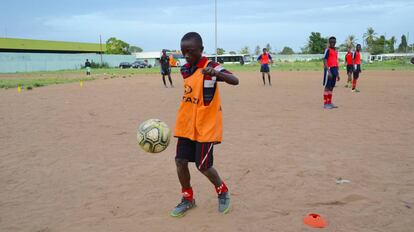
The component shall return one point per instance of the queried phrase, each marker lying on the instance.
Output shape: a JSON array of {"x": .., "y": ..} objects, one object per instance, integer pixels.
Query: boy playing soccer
[
  {"x": 264, "y": 59},
  {"x": 331, "y": 73},
  {"x": 349, "y": 62},
  {"x": 199, "y": 122},
  {"x": 357, "y": 67}
]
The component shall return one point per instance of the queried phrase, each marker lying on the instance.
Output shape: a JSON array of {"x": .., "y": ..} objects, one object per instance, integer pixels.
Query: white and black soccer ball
[{"x": 153, "y": 135}]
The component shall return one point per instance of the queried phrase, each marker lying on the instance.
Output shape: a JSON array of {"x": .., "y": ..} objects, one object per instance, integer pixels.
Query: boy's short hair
[
  {"x": 193, "y": 36},
  {"x": 332, "y": 37}
]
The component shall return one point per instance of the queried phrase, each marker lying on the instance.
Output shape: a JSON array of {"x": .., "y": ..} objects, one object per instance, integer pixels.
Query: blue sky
[{"x": 154, "y": 25}]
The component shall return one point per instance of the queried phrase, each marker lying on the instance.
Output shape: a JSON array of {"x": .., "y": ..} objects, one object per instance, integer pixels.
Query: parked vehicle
[
  {"x": 125, "y": 65},
  {"x": 231, "y": 58},
  {"x": 140, "y": 64}
]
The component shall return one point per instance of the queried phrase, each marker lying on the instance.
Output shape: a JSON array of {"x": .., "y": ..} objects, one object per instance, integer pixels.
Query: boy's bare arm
[{"x": 222, "y": 76}]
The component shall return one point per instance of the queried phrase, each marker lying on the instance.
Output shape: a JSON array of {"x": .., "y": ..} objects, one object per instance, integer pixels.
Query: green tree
[
  {"x": 378, "y": 45},
  {"x": 134, "y": 49},
  {"x": 245, "y": 50},
  {"x": 257, "y": 50},
  {"x": 116, "y": 46},
  {"x": 287, "y": 51},
  {"x": 232, "y": 52},
  {"x": 390, "y": 45},
  {"x": 403, "y": 45},
  {"x": 316, "y": 44},
  {"x": 220, "y": 51}
]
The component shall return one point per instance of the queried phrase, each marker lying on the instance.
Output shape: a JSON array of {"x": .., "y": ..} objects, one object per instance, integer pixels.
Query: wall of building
[{"x": 29, "y": 62}]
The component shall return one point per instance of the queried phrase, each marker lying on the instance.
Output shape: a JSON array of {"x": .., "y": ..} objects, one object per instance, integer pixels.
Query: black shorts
[
  {"x": 357, "y": 70},
  {"x": 193, "y": 151},
  {"x": 330, "y": 83},
  {"x": 349, "y": 68},
  {"x": 165, "y": 71},
  {"x": 264, "y": 68}
]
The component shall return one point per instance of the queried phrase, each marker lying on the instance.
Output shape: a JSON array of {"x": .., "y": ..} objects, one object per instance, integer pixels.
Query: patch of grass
[
  {"x": 399, "y": 64},
  {"x": 39, "y": 79},
  {"x": 30, "y": 83}
]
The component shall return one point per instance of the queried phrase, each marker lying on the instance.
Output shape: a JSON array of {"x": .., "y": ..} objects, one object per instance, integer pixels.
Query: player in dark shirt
[
  {"x": 88, "y": 67},
  {"x": 165, "y": 68}
]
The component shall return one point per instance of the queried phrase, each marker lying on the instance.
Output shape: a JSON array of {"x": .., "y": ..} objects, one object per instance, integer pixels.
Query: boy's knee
[{"x": 204, "y": 170}]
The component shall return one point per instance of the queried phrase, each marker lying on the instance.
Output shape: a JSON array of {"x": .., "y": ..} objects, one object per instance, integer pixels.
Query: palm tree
[
  {"x": 370, "y": 36},
  {"x": 350, "y": 41}
]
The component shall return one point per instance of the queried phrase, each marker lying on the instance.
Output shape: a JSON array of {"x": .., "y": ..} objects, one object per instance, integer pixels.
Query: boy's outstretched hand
[{"x": 210, "y": 71}]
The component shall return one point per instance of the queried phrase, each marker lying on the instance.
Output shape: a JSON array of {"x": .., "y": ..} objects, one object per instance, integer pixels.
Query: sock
[
  {"x": 354, "y": 82},
  {"x": 188, "y": 194},
  {"x": 325, "y": 97},
  {"x": 222, "y": 188},
  {"x": 329, "y": 97}
]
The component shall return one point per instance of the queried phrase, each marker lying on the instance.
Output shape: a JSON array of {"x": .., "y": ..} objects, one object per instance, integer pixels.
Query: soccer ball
[{"x": 153, "y": 136}]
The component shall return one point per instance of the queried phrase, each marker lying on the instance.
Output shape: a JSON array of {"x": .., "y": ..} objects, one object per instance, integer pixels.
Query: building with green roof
[{"x": 46, "y": 46}]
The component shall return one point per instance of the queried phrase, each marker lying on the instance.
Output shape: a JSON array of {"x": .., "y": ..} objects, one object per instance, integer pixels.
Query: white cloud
[{"x": 243, "y": 22}]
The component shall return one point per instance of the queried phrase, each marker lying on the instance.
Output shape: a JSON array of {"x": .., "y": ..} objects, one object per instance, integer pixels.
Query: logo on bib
[{"x": 187, "y": 89}]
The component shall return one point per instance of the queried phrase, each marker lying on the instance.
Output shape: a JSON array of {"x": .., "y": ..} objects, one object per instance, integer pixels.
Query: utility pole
[
  {"x": 100, "y": 44},
  {"x": 215, "y": 28}
]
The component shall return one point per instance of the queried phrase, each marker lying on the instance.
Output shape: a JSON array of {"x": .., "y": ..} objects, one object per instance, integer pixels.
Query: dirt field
[{"x": 69, "y": 160}]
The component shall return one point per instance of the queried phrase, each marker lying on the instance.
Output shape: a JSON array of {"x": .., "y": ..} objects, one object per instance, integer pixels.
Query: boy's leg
[
  {"x": 325, "y": 97},
  {"x": 263, "y": 77},
  {"x": 163, "y": 80},
  {"x": 185, "y": 153},
  {"x": 329, "y": 81},
  {"x": 348, "y": 83},
  {"x": 183, "y": 173},
  {"x": 212, "y": 176},
  {"x": 330, "y": 98},
  {"x": 204, "y": 163},
  {"x": 325, "y": 83},
  {"x": 355, "y": 79},
  {"x": 268, "y": 77},
  {"x": 331, "y": 86},
  {"x": 169, "y": 78}
]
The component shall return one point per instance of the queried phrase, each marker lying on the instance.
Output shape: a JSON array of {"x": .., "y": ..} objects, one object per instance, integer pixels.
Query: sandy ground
[{"x": 69, "y": 160}]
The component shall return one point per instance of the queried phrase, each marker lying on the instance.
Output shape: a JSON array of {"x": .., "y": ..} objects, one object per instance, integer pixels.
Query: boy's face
[
  {"x": 358, "y": 47},
  {"x": 332, "y": 43},
  {"x": 192, "y": 51},
  {"x": 264, "y": 50}
]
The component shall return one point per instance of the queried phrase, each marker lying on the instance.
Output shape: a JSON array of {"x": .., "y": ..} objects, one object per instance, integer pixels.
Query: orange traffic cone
[{"x": 315, "y": 220}]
